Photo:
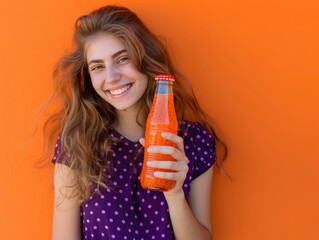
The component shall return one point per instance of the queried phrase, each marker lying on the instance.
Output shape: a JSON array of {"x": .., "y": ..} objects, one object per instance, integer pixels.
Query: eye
[
  {"x": 96, "y": 67},
  {"x": 122, "y": 59}
]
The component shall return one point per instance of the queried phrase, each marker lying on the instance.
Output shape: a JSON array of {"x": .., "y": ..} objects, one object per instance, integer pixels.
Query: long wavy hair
[{"x": 84, "y": 118}]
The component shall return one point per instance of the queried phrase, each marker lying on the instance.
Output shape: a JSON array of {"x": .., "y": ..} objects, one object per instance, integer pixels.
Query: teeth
[{"x": 121, "y": 90}]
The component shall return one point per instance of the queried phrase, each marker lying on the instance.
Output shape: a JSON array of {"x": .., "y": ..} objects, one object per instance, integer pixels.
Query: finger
[
  {"x": 169, "y": 165},
  {"x": 175, "y": 139},
  {"x": 171, "y": 175},
  {"x": 142, "y": 141},
  {"x": 174, "y": 152}
]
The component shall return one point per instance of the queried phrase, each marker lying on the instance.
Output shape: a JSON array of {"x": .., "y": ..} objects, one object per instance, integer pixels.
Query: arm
[
  {"x": 196, "y": 219},
  {"x": 66, "y": 212},
  {"x": 192, "y": 222}
]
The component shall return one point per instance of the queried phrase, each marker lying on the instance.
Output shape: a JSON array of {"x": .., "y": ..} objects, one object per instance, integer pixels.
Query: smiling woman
[
  {"x": 107, "y": 85},
  {"x": 114, "y": 76}
]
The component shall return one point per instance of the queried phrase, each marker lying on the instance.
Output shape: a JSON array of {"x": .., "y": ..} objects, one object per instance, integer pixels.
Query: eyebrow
[{"x": 113, "y": 56}]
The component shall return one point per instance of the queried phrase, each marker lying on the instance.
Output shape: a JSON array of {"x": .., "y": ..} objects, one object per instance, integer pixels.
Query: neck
[{"x": 127, "y": 124}]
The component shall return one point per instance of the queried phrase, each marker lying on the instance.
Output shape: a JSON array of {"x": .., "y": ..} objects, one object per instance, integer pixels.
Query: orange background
[{"x": 254, "y": 67}]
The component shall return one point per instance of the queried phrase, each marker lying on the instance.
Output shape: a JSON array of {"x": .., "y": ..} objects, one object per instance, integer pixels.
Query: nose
[{"x": 112, "y": 75}]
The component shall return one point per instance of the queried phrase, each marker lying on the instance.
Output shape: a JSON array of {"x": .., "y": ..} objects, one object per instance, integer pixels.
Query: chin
[{"x": 123, "y": 108}]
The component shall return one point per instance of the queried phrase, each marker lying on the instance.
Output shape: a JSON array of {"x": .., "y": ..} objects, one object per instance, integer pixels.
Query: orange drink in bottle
[{"x": 161, "y": 118}]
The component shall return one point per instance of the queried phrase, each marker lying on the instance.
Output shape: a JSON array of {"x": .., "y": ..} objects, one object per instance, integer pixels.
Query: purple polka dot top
[{"x": 126, "y": 210}]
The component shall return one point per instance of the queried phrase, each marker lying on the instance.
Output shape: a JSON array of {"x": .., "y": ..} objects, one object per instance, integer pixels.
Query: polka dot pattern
[{"x": 126, "y": 210}]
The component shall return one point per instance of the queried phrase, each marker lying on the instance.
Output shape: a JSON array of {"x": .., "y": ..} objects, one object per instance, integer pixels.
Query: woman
[{"x": 106, "y": 85}]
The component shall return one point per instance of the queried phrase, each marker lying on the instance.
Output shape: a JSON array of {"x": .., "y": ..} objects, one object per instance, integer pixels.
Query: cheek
[
  {"x": 145, "y": 86},
  {"x": 143, "y": 80},
  {"x": 97, "y": 82}
]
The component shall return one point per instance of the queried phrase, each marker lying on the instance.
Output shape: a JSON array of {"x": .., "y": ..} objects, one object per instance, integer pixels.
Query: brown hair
[{"x": 85, "y": 117}]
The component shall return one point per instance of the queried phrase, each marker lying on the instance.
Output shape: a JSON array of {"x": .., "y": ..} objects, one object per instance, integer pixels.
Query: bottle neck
[{"x": 164, "y": 87}]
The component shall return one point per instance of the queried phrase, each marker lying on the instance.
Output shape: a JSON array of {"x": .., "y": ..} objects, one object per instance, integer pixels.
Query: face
[{"x": 114, "y": 76}]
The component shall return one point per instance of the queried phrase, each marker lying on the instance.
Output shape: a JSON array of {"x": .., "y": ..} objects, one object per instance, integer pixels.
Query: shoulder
[
  {"x": 199, "y": 146},
  {"x": 194, "y": 131},
  {"x": 60, "y": 156}
]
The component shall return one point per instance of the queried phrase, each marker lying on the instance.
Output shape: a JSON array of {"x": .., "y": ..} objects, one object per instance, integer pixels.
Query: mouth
[{"x": 119, "y": 91}]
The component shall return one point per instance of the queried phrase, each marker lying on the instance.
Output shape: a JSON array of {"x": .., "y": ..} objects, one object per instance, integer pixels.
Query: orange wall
[{"x": 254, "y": 66}]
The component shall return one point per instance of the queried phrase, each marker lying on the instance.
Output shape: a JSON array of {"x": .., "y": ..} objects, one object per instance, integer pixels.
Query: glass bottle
[{"x": 161, "y": 118}]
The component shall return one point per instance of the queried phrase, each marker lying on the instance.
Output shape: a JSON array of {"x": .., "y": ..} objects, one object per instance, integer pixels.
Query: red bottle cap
[{"x": 164, "y": 77}]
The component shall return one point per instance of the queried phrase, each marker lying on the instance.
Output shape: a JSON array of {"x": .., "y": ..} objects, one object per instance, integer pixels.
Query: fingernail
[{"x": 164, "y": 134}]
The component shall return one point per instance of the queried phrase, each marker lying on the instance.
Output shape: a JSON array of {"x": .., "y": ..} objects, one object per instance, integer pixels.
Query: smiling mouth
[{"x": 121, "y": 90}]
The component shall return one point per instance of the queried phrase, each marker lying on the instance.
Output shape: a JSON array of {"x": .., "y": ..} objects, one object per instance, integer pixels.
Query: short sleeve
[
  {"x": 58, "y": 153},
  {"x": 204, "y": 150}
]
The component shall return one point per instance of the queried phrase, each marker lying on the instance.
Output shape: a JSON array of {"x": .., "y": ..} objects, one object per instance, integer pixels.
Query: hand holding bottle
[{"x": 178, "y": 169}]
